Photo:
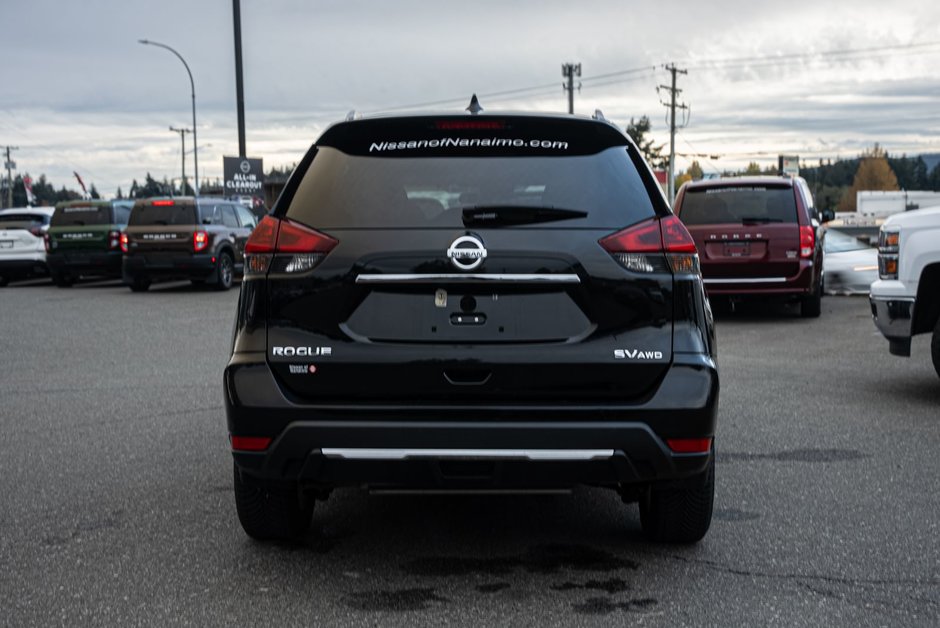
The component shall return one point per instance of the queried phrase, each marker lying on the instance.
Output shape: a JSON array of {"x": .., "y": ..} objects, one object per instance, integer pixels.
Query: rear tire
[
  {"x": 271, "y": 511},
  {"x": 680, "y": 515},
  {"x": 139, "y": 284},
  {"x": 811, "y": 306},
  {"x": 62, "y": 280},
  {"x": 224, "y": 272},
  {"x": 935, "y": 347}
]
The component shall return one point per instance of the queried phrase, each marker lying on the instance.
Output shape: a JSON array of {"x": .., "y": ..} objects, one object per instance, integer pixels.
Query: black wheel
[
  {"x": 224, "y": 272},
  {"x": 811, "y": 306},
  {"x": 271, "y": 511},
  {"x": 62, "y": 280},
  {"x": 680, "y": 515},
  {"x": 935, "y": 347},
  {"x": 139, "y": 284}
]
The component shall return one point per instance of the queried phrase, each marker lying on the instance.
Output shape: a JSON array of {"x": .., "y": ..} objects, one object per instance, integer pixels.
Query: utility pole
[
  {"x": 239, "y": 88},
  {"x": 673, "y": 93},
  {"x": 182, "y": 133},
  {"x": 9, "y": 164},
  {"x": 569, "y": 71}
]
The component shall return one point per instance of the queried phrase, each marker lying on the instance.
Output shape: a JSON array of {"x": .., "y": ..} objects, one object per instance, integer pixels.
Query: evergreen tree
[
  {"x": 695, "y": 171},
  {"x": 93, "y": 192},
  {"x": 637, "y": 131}
]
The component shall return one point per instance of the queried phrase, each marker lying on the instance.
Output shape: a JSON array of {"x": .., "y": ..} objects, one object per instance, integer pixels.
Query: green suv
[{"x": 84, "y": 238}]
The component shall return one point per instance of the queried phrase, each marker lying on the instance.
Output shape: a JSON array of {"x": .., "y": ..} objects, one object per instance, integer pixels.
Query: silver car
[{"x": 850, "y": 264}]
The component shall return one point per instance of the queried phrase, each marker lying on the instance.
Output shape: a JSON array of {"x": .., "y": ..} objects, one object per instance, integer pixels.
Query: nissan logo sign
[{"x": 467, "y": 252}]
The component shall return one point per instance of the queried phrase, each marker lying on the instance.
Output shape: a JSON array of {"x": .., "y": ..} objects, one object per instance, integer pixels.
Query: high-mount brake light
[
  {"x": 457, "y": 125},
  {"x": 200, "y": 241},
  {"x": 167, "y": 203},
  {"x": 807, "y": 241},
  {"x": 285, "y": 246},
  {"x": 250, "y": 443},
  {"x": 689, "y": 445},
  {"x": 124, "y": 243},
  {"x": 643, "y": 247}
]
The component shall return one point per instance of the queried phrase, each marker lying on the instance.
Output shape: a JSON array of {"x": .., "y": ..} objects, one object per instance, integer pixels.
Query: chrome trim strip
[
  {"x": 355, "y": 453},
  {"x": 468, "y": 278},
  {"x": 749, "y": 280}
]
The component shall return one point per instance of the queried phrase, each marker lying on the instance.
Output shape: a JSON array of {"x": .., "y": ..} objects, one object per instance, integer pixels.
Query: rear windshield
[
  {"x": 182, "y": 214},
  {"x": 342, "y": 191},
  {"x": 81, "y": 216},
  {"x": 22, "y": 221},
  {"x": 738, "y": 204}
]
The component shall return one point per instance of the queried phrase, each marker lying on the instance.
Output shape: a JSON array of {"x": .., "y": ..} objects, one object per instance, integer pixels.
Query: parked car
[
  {"x": 84, "y": 239},
  {"x": 850, "y": 265},
  {"x": 22, "y": 251},
  {"x": 200, "y": 239},
  {"x": 472, "y": 302},
  {"x": 756, "y": 237}
]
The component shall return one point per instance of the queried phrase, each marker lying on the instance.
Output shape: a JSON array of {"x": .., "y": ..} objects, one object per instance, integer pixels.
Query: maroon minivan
[{"x": 756, "y": 237}]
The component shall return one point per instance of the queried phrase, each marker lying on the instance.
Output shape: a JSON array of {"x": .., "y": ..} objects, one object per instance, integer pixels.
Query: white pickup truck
[{"x": 905, "y": 301}]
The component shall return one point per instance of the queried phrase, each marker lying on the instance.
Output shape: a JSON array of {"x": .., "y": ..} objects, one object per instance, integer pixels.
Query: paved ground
[{"x": 117, "y": 486}]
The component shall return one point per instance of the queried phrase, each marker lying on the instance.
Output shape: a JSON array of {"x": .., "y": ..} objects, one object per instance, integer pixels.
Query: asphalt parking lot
[{"x": 116, "y": 481}]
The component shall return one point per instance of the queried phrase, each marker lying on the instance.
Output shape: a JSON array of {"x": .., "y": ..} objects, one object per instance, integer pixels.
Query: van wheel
[
  {"x": 935, "y": 347},
  {"x": 680, "y": 515},
  {"x": 271, "y": 511},
  {"x": 224, "y": 272},
  {"x": 811, "y": 306},
  {"x": 139, "y": 284}
]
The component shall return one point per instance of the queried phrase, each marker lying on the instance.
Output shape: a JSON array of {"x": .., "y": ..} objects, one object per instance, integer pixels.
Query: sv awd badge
[{"x": 636, "y": 354}]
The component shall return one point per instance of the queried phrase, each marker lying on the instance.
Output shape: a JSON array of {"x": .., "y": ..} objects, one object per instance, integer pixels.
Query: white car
[
  {"x": 22, "y": 249},
  {"x": 850, "y": 266}
]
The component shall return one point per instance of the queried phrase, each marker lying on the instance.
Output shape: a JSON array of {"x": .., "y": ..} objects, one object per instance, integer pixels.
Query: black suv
[
  {"x": 200, "y": 239},
  {"x": 479, "y": 302}
]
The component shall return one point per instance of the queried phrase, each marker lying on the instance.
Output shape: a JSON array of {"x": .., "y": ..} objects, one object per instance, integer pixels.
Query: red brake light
[
  {"x": 45, "y": 241},
  {"x": 36, "y": 231},
  {"x": 642, "y": 238},
  {"x": 263, "y": 238},
  {"x": 296, "y": 238},
  {"x": 123, "y": 242},
  {"x": 163, "y": 203},
  {"x": 689, "y": 445},
  {"x": 676, "y": 238},
  {"x": 200, "y": 241},
  {"x": 807, "y": 241},
  {"x": 250, "y": 443}
]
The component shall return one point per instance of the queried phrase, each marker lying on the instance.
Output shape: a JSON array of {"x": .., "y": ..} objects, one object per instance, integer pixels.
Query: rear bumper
[
  {"x": 488, "y": 447},
  {"x": 800, "y": 284},
  {"x": 893, "y": 316},
  {"x": 199, "y": 266},
  {"x": 27, "y": 265},
  {"x": 88, "y": 263}
]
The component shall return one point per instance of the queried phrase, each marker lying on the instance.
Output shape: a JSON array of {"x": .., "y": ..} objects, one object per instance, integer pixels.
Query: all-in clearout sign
[{"x": 243, "y": 176}]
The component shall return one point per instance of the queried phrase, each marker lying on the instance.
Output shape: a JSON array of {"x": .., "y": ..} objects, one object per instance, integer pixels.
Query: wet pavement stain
[
  {"x": 113, "y": 520},
  {"x": 492, "y": 587},
  {"x": 543, "y": 559},
  {"x": 402, "y": 600},
  {"x": 733, "y": 514},
  {"x": 606, "y": 606},
  {"x": 797, "y": 455},
  {"x": 614, "y": 585}
]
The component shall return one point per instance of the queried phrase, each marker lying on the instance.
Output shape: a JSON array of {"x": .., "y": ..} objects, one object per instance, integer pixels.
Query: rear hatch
[
  {"x": 80, "y": 228},
  {"x": 747, "y": 231},
  {"x": 162, "y": 229},
  {"x": 21, "y": 232},
  {"x": 470, "y": 273}
]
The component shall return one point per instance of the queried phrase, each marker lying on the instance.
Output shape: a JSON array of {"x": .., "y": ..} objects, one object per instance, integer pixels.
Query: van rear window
[
  {"x": 145, "y": 214},
  {"x": 738, "y": 204},
  {"x": 81, "y": 216}
]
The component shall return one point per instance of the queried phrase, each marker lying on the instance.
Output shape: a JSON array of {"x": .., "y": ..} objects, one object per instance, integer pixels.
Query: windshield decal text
[{"x": 458, "y": 142}]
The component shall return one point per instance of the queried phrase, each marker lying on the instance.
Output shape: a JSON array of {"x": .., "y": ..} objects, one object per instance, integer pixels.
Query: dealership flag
[
  {"x": 28, "y": 186},
  {"x": 81, "y": 183}
]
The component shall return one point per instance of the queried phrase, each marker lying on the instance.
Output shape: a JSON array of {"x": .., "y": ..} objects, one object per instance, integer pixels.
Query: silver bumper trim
[
  {"x": 893, "y": 315},
  {"x": 748, "y": 280},
  {"x": 468, "y": 278},
  {"x": 478, "y": 454}
]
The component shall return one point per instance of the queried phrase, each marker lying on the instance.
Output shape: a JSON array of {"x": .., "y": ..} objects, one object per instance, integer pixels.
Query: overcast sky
[{"x": 818, "y": 79}]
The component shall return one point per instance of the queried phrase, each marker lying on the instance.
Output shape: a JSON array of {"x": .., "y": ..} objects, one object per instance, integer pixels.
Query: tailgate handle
[{"x": 467, "y": 377}]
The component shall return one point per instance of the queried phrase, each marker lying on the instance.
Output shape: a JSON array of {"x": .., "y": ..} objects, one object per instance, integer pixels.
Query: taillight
[
  {"x": 807, "y": 241},
  {"x": 36, "y": 231},
  {"x": 284, "y": 246},
  {"x": 123, "y": 240},
  {"x": 644, "y": 247},
  {"x": 46, "y": 242},
  {"x": 250, "y": 443},
  {"x": 114, "y": 240},
  {"x": 200, "y": 241}
]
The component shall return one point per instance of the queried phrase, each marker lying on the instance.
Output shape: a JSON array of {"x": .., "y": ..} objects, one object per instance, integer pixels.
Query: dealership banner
[{"x": 243, "y": 176}]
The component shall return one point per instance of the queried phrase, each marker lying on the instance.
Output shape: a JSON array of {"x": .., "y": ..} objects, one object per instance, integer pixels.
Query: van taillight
[
  {"x": 285, "y": 246},
  {"x": 807, "y": 241},
  {"x": 114, "y": 240},
  {"x": 200, "y": 241},
  {"x": 643, "y": 247}
]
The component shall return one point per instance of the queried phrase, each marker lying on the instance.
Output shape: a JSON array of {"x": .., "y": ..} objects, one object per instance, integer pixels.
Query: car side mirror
[{"x": 826, "y": 215}]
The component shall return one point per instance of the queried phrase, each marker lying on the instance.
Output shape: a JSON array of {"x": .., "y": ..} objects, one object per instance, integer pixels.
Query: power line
[{"x": 734, "y": 62}]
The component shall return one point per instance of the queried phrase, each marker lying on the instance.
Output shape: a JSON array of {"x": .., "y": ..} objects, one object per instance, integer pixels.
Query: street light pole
[
  {"x": 182, "y": 133},
  {"x": 192, "y": 85}
]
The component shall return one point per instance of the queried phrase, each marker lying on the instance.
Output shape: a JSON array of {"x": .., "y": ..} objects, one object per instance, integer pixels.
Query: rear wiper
[
  {"x": 496, "y": 215},
  {"x": 758, "y": 220}
]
